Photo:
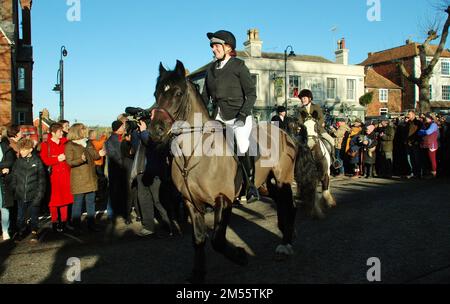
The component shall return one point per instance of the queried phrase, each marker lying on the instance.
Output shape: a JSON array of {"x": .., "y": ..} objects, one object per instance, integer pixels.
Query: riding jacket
[{"x": 231, "y": 89}]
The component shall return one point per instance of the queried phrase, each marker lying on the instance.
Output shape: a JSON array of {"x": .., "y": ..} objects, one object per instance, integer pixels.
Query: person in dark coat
[
  {"x": 281, "y": 118},
  {"x": 149, "y": 177},
  {"x": 117, "y": 176},
  {"x": 413, "y": 126},
  {"x": 28, "y": 183},
  {"x": 7, "y": 159},
  {"x": 386, "y": 148},
  {"x": 230, "y": 87},
  {"x": 369, "y": 146},
  {"x": 127, "y": 154}
]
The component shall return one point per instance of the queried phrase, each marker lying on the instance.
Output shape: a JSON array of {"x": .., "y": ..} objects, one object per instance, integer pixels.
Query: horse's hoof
[{"x": 283, "y": 252}]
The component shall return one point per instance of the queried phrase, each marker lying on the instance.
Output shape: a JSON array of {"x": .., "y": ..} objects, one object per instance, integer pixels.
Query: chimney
[
  {"x": 253, "y": 46},
  {"x": 342, "y": 53},
  {"x": 26, "y": 21}
]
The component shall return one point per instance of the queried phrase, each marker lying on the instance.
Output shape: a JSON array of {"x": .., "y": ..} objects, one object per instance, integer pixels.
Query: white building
[{"x": 335, "y": 85}]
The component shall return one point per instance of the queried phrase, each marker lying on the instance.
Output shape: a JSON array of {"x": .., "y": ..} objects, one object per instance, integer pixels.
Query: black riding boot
[{"x": 248, "y": 168}]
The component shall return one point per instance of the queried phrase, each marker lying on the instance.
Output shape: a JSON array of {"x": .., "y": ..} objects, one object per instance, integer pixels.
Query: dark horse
[
  {"x": 313, "y": 167},
  {"x": 204, "y": 177}
]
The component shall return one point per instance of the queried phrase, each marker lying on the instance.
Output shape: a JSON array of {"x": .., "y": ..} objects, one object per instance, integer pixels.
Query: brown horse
[{"x": 206, "y": 172}]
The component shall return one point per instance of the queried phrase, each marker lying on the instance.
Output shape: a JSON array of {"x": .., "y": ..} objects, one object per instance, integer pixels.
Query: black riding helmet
[
  {"x": 222, "y": 37},
  {"x": 305, "y": 93}
]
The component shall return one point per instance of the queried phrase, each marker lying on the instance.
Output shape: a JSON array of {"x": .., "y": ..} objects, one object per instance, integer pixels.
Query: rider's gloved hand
[{"x": 240, "y": 120}]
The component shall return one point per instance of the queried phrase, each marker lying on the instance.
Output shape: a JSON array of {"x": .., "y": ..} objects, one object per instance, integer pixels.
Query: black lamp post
[
  {"x": 291, "y": 54},
  {"x": 59, "y": 87}
]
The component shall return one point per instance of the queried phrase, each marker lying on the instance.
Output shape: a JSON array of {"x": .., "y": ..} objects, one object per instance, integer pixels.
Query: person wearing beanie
[
  {"x": 116, "y": 171},
  {"x": 281, "y": 118},
  {"x": 309, "y": 110},
  {"x": 232, "y": 91}
]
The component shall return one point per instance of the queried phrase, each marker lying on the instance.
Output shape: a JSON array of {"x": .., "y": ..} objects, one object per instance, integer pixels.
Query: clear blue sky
[{"x": 116, "y": 47}]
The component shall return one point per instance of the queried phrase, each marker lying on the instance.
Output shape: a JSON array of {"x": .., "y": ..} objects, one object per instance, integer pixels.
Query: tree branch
[
  {"x": 441, "y": 46},
  {"x": 405, "y": 73}
]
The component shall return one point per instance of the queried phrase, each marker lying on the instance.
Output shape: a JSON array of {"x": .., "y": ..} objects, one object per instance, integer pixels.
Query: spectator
[
  {"x": 387, "y": 134},
  {"x": 80, "y": 156},
  {"x": 66, "y": 125},
  {"x": 116, "y": 171},
  {"x": 413, "y": 126},
  {"x": 53, "y": 156},
  {"x": 99, "y": 143},
  {"x": 352, "y": 155},
  {"x": 339, "y": 135},
  {"x": 28, "y": 184},
  {"x": 369, "y": 146},
  {"x": 429, "y": 143},
  {"x": 7, "y": 159}
]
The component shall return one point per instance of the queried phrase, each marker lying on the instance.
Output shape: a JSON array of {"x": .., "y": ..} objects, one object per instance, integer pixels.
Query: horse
[
  {"x": 212, "y": 179},
  {"x": 313, "y": 166}
]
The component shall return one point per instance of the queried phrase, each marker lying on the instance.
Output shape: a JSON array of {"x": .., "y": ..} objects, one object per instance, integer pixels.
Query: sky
[{"x": 115, "y": 47}]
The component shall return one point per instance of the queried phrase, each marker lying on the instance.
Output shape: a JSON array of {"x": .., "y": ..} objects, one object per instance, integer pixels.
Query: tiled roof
[
  {"x": 404, "y": 51},
  {"x": 375, "y": 80}
]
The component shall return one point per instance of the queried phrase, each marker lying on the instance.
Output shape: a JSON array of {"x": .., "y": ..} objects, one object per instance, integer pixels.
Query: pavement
[{"x": 404, "y": 224}]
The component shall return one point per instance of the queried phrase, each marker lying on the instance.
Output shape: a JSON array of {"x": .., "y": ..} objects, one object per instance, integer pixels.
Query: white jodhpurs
[{"x": 242, "y": 134}]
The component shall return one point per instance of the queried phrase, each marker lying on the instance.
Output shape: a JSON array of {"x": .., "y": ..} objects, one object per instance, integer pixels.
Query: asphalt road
[{"x": 403, "y": 223}]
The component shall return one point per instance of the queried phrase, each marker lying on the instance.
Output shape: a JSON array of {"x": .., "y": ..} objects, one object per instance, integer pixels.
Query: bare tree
[{"x": 426, "y": 69}]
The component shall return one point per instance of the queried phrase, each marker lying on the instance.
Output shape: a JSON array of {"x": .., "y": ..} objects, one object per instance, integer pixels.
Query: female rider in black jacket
[{"x": 231, "y": 89}]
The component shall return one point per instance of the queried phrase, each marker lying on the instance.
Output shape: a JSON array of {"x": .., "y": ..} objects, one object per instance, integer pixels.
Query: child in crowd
[{"x": 28, "y": 184}]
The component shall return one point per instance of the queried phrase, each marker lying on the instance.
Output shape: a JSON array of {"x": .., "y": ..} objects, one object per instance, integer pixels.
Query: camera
[{"x": 134, "y": 116}]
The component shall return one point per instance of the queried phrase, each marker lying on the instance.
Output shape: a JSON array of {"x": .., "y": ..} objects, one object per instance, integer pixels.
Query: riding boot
[{"x": 248, "y": 168}]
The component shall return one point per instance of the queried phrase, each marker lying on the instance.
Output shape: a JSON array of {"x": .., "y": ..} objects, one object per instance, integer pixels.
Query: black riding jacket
[{"x": 231, "y": 89}]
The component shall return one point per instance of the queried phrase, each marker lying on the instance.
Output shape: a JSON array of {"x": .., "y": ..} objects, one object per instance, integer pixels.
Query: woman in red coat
[{"x": 52, "y": 154}]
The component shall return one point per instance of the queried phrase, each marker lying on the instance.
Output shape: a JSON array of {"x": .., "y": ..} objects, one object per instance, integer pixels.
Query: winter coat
[
  {"x": 315, "y": 111},
  {"x": 156, "y": 159},
  {"x": 412, "y": 129},
  {"x": 7, "y": 161},
  {"x": 28, "y": 180},
  {"x": 60, "y": 172},
  {"x": 387, "y": 139},
  {"x": 282, "y": 124},
  {"x": 83, "y": 177},
  {"x": 429, "y": 137},
  {"x": 353, "y": 133},
  {"x": 339, "y": 135},
  {"x": 370, "y": 148}
]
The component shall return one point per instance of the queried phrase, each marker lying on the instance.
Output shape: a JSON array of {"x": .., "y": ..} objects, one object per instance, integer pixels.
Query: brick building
[
  {"x": 385, "y": 64},
  {"x": 387, "y": 96},
  {"x": 16, "y": 62}
]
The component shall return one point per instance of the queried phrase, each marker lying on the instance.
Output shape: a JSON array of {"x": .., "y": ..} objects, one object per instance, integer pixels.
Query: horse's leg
[
  {"x": 286, "y": 213},
  {"x": 222, "y": 214},
  {"x": 199, "y": 231},
  {"x": 326, "y": 194}
]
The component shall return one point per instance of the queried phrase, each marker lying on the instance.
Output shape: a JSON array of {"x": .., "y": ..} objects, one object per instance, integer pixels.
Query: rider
[
  {"x": 308, "y": 109},
  {"x": 232, "y": 90}
]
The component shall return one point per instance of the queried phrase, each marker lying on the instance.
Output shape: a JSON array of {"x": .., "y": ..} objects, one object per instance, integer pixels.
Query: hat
[
  {"x": 116, "y": 125},
  {"x": 305, "y": 93},
  {"x": 357, "y": 120},
  {"x": 222, "y": 37},
  {"x": 281, "y": 109},
  {"x": 429, "y": 116}
]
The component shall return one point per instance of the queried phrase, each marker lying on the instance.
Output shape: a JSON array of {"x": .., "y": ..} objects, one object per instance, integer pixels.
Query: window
[
  {"x": 317, "y": 90},
  {"x": 21, "y": 77},
  {"x": 20, "y": 118},
  {"x": 294, "y": 85},
  {"x": 384, "y": 111},
  {"x": 331, "y": 88},
  {"x": 446, "y": 93},
  {"x": 445, "y": 68},
  {"x": 384, "y": 95},
  {"x": 351, "y": 89}
]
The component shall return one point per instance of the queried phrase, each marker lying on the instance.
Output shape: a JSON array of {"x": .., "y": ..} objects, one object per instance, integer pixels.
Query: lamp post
[
  {"x": 59, "y": 87},
  {"x": 291, "y": 54}
]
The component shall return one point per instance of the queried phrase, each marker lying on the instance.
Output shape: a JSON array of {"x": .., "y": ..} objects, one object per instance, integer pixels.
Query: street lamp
[
  {"x": 59, "y": 86},
  {"x": 291, "y": 54}
]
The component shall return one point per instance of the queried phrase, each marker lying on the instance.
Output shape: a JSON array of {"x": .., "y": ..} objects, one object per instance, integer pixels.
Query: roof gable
[{"x": 375, "y": 80}]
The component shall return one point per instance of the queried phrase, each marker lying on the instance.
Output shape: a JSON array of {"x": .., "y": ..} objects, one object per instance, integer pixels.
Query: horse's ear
[
  {"x": 162, "y": 69},
  {"x": 315, "y": 115},
  {"x": 179, "y": 69}
]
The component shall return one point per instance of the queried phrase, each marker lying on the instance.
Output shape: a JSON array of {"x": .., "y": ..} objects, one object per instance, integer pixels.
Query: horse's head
[
  {"x": 312, "y": 129},
  {"x": 172, "y": 103}
]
